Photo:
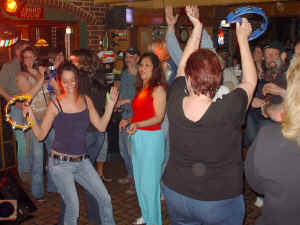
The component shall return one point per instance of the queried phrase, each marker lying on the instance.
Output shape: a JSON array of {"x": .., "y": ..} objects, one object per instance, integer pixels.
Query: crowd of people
[{"x": 185, "y": 118}]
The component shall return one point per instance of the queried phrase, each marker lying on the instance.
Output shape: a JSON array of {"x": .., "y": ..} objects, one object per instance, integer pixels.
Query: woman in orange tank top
[{"x": 146, "y": 137}]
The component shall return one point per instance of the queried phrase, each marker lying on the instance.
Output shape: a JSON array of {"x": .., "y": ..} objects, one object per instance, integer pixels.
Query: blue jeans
[
  {"x": 37, "y": 170},
  {"x": 183, "y": 210},
  {"x": 165, "y": 130},
  {"x": 24, "y": 161},
  {"x": 94, "y": 142},
  {"x": 103, "y": 151},
  {"x": 65, "y": 174},
  {"x": 255, "y": 121},
  {"x": 124, "y": 152}
]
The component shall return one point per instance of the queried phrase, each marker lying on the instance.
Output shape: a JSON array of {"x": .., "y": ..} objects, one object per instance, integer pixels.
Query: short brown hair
[{"x": 204, "y": 69}]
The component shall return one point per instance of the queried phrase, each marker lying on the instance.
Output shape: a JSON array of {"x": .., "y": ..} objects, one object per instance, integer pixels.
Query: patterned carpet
[{"x": 125, "y": 206}]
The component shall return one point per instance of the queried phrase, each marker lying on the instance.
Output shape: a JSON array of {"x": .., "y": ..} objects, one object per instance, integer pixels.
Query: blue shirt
[{"x": 127, "y": 91}]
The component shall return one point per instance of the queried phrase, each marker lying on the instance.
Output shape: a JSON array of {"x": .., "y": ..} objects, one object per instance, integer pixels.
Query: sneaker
[
  {"x": 139, "y": 221},
  {"x": 131, "y": 189},
  {"x": 124, "y": 180},
  {"x": 259, "y": 202}
]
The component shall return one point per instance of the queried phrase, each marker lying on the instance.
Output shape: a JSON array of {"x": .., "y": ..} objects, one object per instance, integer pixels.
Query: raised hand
[
  {"x": 42, "y": 70},
  {"x": 192, "y": 12},
  {"x": 243, "y": 30},
  {"x": 113, "y": 95},
  {"x": 170, "y": 18},
  {"x": 27, "y": 111},
  {"x": 59, "y": 59}
]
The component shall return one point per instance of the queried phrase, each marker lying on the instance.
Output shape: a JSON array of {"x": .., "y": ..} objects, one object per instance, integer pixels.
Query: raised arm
[
  {"x": 172, "y": 42},
  {"x": 101, "y": 122},
  {"x": 159, "y": 104},
  {"x": 194, "y": 40},
  {"x": 249, "y": 81},
  {"x": 173, "y": 46}
]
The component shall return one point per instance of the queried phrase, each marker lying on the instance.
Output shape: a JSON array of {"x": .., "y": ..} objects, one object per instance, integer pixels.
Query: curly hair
[
  {"x": 88, "y": 61},
  {"x": 157, "y": 78},
  {"x": 290, "y": 126},
  {"x": 204, "y": 69}
]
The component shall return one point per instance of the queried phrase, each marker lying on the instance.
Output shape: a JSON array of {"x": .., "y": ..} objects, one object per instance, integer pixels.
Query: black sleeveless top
[{"x": 70, "y": 131}]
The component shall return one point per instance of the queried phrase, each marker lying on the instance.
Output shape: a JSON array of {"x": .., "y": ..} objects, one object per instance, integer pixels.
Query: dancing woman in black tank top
[{"x": 70, "y": 114}]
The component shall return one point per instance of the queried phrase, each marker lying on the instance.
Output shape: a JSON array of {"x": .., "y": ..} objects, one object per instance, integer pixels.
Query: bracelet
[{"x": 12, "y": 122}]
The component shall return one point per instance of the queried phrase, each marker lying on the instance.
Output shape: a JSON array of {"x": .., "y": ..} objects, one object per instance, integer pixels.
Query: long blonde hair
[{"x": 291, "y": 113}]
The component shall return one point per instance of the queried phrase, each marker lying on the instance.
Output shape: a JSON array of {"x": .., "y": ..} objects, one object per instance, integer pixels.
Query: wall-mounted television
[{"x": 119, "y": 17}]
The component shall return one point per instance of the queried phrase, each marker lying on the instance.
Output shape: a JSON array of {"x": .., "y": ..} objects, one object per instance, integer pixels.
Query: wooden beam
[
  {"x": 139, "y": 5},
  {"x": 160, "y": 4},
  {"x": 183, "y": 3},
  {"x": 210, "y": 15},
  {"x": 123, "y": 2}
]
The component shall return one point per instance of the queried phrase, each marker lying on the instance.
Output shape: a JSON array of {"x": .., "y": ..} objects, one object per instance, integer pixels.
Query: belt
[{"x": 68, "y": 157}]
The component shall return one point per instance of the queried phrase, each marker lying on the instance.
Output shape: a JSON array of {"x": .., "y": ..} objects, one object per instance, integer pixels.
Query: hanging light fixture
[{"x": 41, "y": 43}]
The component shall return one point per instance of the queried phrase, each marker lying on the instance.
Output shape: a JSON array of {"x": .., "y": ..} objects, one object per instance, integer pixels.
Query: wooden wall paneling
[{"x": 144, "y": 39}]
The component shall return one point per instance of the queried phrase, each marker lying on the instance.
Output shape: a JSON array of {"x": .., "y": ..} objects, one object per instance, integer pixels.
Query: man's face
[
  {"x": 272, "y": 58},
  {"x": 131, "y": 60}
]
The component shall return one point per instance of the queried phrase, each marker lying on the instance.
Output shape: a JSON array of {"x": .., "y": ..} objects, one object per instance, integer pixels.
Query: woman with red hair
[{"x": 203, "y": 180}]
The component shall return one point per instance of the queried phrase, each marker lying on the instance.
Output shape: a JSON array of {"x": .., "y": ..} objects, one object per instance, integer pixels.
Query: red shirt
[{"x": 143, "y": 109}]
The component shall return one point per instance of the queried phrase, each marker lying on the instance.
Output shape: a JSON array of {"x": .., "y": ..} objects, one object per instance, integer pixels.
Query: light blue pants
[{"x": 147, "y": 152}]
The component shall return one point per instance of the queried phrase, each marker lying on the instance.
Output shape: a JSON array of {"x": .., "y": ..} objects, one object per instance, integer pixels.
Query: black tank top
[{"x": 70, "y": 131}]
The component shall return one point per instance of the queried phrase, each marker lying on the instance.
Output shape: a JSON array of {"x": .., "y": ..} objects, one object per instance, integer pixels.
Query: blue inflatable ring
[{"x": 236, "y": 16}]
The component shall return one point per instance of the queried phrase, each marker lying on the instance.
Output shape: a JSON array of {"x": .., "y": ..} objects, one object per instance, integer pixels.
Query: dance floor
[{"x": 125, "y": 206}]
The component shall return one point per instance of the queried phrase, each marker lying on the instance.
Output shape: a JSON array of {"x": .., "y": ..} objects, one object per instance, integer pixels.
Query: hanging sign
[{"x": 28, "y": 12}]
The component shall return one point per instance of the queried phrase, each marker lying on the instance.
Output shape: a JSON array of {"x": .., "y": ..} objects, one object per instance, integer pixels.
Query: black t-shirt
[
  {"x": 272, "y": 169},
  {"x": 205, "y": 156},
  {"x": 95, "y": 89}
]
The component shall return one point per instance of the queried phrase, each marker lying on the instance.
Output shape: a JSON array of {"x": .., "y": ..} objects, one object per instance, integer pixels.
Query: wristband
[{"x": 107, "y": 96}]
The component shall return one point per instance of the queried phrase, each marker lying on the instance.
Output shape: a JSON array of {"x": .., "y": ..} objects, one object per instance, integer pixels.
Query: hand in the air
[
  {"x": 170, "y": 18},
  {"x": 243, "y": 30}
]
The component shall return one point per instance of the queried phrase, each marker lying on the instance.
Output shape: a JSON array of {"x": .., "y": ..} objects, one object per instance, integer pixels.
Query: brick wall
[{"x": 89, "y": 12}]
